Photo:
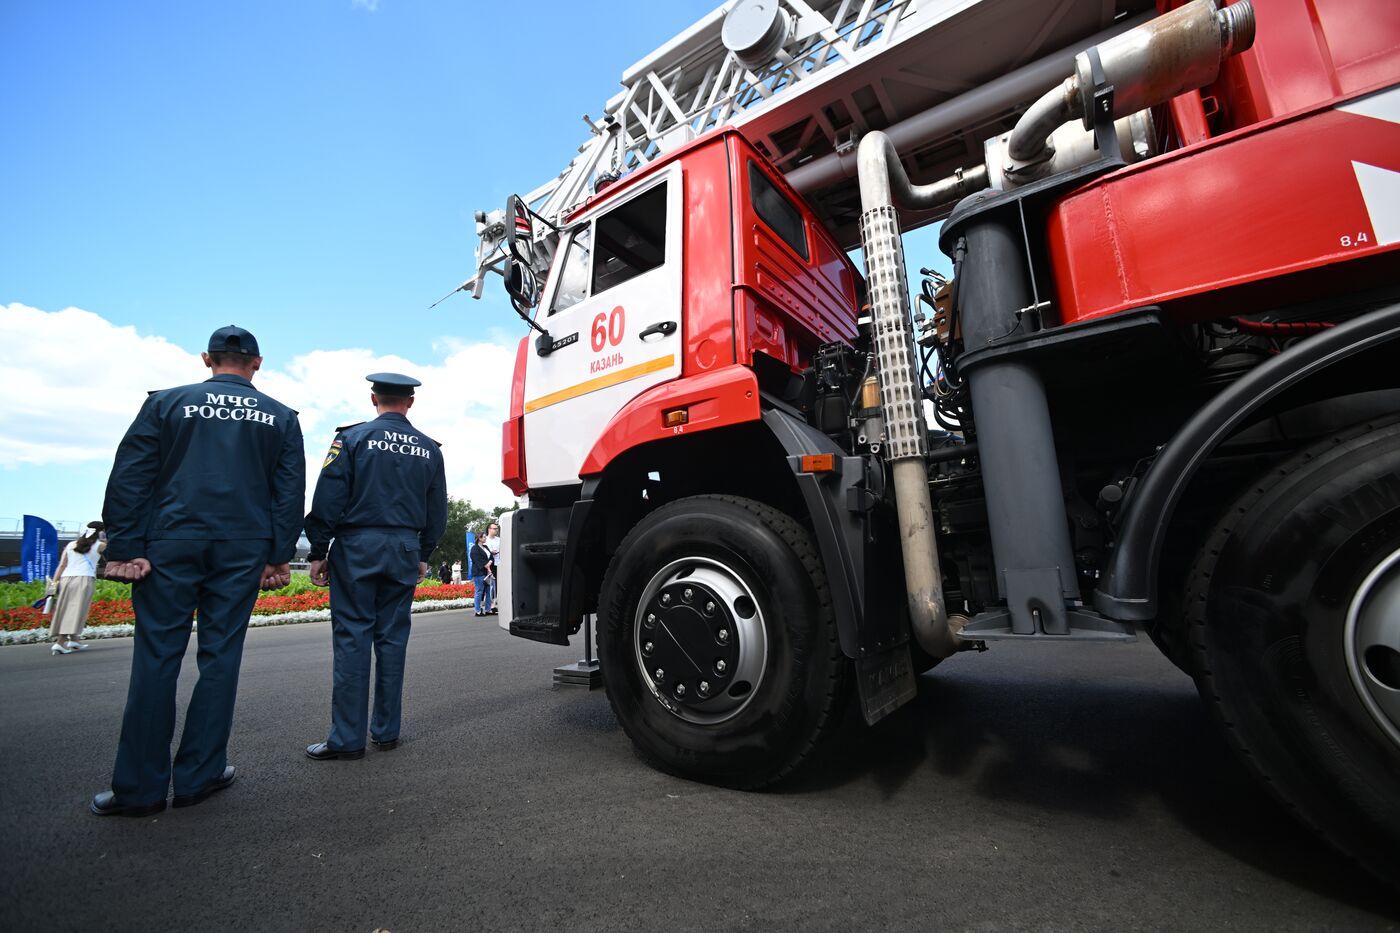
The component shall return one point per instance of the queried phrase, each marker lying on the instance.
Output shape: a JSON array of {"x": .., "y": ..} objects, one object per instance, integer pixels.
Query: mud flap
[
  {"x": 855, "y": 532},
  {"x": 886, "y": 682}
]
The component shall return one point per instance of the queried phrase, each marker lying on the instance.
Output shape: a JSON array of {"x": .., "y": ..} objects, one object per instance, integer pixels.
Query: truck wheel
[
  {"x": 1293, "y": 609},
  {"x": 718, "y": 645}
]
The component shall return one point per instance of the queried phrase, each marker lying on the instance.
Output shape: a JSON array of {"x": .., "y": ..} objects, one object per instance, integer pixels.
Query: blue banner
[{"x": 38, "y": 552}]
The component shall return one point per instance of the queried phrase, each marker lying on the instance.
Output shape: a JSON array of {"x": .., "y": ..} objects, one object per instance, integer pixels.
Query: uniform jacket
[
  {"x": 480, "y": 559},
  {"x": 217, "y": 459},
  {"x": 380, "y": 474}
]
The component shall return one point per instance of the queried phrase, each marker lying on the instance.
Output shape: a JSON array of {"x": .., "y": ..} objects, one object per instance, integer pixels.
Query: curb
[{"x": 34, "y": 636}]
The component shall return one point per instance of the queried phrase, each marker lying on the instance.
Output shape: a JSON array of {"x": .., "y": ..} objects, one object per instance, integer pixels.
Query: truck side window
[
  {"x": 573, "y": 275},
  {"x": 781, "y": 216},
  {"x": 631, "y": 240}
]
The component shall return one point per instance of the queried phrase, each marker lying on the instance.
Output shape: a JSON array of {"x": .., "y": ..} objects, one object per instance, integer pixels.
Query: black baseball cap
[
  {"x": 392, "y": 383},
  {"x": 233, "y": 339}
]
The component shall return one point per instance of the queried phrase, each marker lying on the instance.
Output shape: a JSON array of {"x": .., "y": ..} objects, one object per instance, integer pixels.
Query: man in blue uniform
[
  {"x": 382, "y": 496},
  {"x": 203, "y": 506}
]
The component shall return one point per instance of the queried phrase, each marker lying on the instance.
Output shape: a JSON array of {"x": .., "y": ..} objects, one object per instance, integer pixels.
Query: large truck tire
[
  {"x": 1293, "y": 611},
  {"x": 718, "y": 643}
]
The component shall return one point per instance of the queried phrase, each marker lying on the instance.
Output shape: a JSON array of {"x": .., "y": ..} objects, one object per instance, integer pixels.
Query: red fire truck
[{"x": 1159, "y": 391}]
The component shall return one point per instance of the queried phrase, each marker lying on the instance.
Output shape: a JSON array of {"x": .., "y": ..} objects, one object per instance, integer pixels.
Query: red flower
[
  {"x": 446, "y": 591},
  {"x": 120, "y": 611}
]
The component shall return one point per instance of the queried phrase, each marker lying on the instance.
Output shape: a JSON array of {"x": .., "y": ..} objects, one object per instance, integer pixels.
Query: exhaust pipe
[
  {"x": 1149, "y": 65},
  {"x": 882, "y": 180}
]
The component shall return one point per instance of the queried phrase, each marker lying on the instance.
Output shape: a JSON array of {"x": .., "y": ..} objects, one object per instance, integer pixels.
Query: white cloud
[{"x": 71, "y": 382}]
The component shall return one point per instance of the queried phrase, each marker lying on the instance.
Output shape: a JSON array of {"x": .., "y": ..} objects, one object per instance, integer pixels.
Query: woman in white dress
[
  {"x": 456, "y": 573},
  {"x": 76, "y": 576}
]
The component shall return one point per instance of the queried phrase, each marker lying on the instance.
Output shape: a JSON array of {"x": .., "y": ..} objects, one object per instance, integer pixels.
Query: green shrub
[{"x": 16, "y": 595}]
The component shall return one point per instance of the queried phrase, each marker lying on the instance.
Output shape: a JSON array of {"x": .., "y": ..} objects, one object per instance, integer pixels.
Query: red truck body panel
[{"x": 1265, "y": 197}]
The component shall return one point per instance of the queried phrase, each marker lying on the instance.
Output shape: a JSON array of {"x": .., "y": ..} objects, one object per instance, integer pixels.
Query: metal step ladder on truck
[{"x": 1160, "y": 390}]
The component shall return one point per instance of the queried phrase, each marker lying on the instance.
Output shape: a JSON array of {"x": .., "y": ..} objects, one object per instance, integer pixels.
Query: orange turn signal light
[
  {"x": 818, "y": 463},
  {"x": 675, "y": 418}
]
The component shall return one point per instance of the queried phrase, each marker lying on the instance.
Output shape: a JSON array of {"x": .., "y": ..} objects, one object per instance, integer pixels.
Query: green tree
[{"x": 462, "y": 517}]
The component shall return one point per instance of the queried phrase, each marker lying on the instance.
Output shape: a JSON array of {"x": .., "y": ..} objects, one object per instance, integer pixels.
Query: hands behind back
[
  {"x": 276, "y": 576},
  {"x": 128, "y": 570},
  {"x": 320, "y": 571}
]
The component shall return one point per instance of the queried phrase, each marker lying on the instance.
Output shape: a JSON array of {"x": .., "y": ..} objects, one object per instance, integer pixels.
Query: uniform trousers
[
  {"x": 219, "y": 580},
  {"x": 373, "y": 576}
]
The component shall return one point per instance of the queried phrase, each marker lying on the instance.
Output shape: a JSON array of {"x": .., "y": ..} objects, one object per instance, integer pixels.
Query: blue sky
[{"x": 307, "y": 169}]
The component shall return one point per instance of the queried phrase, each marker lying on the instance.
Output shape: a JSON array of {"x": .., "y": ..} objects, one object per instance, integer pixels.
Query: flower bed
[{"x": 116, "y": 619}]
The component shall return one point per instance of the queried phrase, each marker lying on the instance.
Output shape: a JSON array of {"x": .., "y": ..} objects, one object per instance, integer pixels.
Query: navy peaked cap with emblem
[
  {"x": 392, "y": 383},
  {"x": 233, "y": 339}
]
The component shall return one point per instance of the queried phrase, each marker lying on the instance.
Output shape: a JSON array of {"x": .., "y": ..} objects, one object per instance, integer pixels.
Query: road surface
[{"x": 1032, "y": 787}]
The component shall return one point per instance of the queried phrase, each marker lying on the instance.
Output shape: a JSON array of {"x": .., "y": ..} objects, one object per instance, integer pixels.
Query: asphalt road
[{"x": 1032, "y": 787}]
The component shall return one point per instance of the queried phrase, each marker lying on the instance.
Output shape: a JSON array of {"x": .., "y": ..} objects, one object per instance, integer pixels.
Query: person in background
[
  {"x": 75, "y": 577},
  {"x": 456, "y": 573},
  {"x": 382, "y": 498},
  {"x": 444, "y": 575},
  {"x": 203, "y": 507},
  {"x": 479, "y": 563},
  {"x": 493, "y": 544}
]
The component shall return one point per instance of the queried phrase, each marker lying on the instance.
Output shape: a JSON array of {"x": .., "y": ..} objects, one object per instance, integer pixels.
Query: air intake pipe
[
  {"x": 882, "y": 181},
  {"x": 1149, "y": 65}
]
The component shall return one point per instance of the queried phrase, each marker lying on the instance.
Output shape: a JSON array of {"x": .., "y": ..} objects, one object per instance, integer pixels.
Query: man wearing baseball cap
[{"x": 203, "y": 506}]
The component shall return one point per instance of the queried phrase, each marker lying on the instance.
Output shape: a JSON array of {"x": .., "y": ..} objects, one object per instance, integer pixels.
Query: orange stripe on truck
[{"x": 601, "y": 382}]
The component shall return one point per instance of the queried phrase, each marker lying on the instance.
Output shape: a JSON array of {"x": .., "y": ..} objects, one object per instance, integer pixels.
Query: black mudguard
[
  {"x": 1128, "y": 590},
  {"x": 855, "y": 532}
]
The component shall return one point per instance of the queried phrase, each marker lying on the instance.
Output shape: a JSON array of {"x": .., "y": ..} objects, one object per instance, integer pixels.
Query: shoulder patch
[{"x": 337, "y": 446}]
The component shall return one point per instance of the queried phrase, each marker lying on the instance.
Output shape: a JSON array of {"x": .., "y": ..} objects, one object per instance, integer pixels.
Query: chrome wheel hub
[
  {"x": 699, "y": 640},
  {"x": 1373, "y": 644}
]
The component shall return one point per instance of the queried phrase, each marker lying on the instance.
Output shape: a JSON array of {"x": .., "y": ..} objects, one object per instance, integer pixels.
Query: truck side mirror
[
  {"x": 520, "y": 230},
  {"x": 516, "y": 275}
]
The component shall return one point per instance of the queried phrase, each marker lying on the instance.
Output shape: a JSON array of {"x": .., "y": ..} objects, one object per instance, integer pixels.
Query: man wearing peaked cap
[
  {"x": 203, "y": 505},
  {"x": 379, "y": 509}
]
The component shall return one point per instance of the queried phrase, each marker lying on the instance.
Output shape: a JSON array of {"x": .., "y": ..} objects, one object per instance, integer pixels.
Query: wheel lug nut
[
  {"x": 665, "y": 599},
  {"x": 660, "y": 675},
  {"x": 709, "y": 608},
  {"x": 648, "y": 648},
  {"x": 720, "y": 666},
  {"x": 680, "y": 690},
  {"x": 651, "y": 619},
  {"x": 724, "y": 635},
  {"x": 688, "y": 595},
  {"x": 704, "y": 688}
]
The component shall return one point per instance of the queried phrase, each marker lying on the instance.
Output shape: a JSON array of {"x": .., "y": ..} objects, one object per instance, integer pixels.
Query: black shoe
[
  {"x": 323, "y": 752},
  {"x": 218, "y": 784},
  {"x": 105, "y": 804},
  {"x": 388, "y": 746}
]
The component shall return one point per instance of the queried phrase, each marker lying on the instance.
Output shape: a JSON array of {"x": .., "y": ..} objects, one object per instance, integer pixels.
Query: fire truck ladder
[{"x": 805, "y": 79}]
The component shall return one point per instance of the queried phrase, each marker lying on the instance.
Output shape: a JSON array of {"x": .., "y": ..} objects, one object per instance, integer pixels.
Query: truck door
[{"x": 613, "y": 309}]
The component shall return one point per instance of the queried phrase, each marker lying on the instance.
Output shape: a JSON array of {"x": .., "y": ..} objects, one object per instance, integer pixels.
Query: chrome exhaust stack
[{"x": 882, "y": 180}]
